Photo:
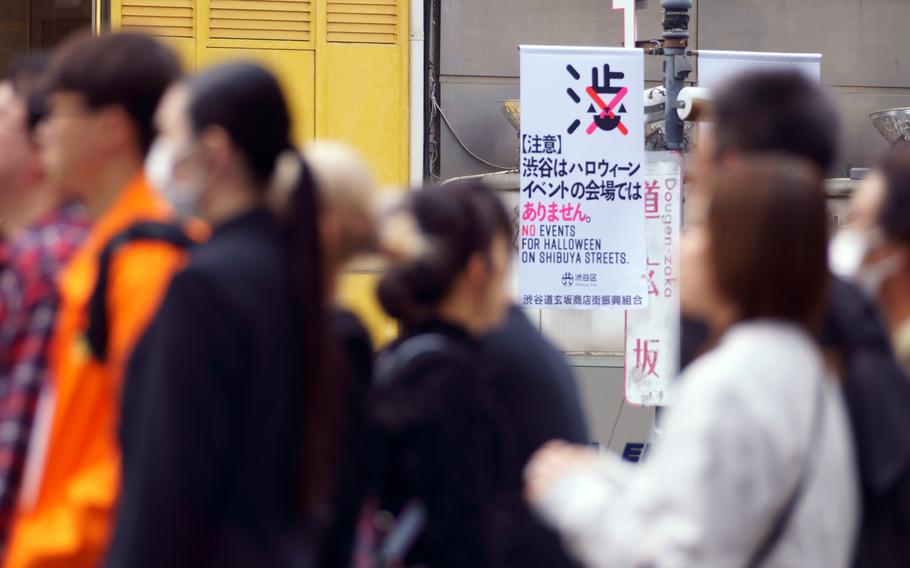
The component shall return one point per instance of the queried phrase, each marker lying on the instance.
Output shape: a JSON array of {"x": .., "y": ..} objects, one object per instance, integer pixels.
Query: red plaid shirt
[{"x": 28, "y": 307}]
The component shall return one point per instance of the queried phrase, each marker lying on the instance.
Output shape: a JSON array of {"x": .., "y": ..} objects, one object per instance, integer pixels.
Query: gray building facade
[{"x": 862, "y": 41}]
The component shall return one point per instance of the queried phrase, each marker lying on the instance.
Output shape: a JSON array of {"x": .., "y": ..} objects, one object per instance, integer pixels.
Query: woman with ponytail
[
  {"x": 442, "y": 444},
  {"x": 227, "y": 413}
]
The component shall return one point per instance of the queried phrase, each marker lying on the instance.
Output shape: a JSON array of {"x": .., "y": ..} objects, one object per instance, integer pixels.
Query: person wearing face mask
[
  {"x": 442, "y": 439},
  {"x": 228, "y": 418},
  {"x": 102, "y": 94},
  {"x": 873, "y": 250},
  {"x": 42, "y": 232}
]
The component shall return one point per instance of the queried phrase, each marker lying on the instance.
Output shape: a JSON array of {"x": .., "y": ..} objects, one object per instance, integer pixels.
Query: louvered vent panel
[
  {"x": 162, "y": 18},
  {"x": 283, "y": 20},
  {"x": 362, "y": 21}
]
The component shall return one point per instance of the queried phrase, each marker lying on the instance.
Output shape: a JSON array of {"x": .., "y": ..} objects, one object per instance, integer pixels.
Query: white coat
[{"x": 732, "y": 449}]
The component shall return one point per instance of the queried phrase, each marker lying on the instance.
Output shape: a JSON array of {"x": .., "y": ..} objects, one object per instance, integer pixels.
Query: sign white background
[
  {"x": 652, "y": 335},
  {"x": 555, "y": 95},
  {"x": 715, "y": 67}
]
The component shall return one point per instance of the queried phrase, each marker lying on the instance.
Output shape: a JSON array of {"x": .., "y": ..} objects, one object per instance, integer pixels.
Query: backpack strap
[
  {"x": 420, "y": 347},
  {"x": 412, "y": 520},
  {"x": 98, "y": 326},
  {"x": 785, "y": 513}
]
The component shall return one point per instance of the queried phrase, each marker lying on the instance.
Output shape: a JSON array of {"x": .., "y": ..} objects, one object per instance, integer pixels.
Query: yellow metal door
[
  {"x": 343, "y": 64},
  {"x": 275, "y": 33}
]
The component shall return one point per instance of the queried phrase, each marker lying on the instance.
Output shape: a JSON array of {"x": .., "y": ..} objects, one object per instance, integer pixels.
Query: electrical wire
[
  {"x": 615, "y": 424},
  {"x": 445, "y": 119}
]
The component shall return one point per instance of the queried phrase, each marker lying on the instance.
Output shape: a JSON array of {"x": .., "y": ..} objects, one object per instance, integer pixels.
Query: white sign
[
  {"x": 628, "y": 20},
  {"x": 582, "y": 236},
  {"x": 715, "y": 67},
  {"x": 652, "y": 335}
]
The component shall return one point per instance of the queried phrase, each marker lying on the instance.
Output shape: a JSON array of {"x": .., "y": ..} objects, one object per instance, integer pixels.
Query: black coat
[
  {"x": 211, "y": 420},
  {"x": 440, "y": 440},
  {"x": 351, "y": 482},
  {"x": 877, "y": 393},
  {"x": 536, "y": 391}
]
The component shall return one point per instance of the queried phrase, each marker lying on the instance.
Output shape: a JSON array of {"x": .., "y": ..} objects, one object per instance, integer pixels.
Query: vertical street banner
[
  {"x": 582, "y": 226},
  {"x": 652, "y": 335}
]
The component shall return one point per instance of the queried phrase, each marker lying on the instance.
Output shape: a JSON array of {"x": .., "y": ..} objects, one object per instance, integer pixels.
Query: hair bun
[{"x": 407, "y": 293}]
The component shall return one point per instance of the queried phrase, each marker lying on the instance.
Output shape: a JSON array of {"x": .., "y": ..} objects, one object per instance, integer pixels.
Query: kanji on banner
[
  {"x": 582, "y": 239},
  {"x": 652, "y": 335}
]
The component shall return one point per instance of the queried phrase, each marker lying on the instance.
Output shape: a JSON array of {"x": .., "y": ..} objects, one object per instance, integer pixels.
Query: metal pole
[{"x": 676, "y": 67}]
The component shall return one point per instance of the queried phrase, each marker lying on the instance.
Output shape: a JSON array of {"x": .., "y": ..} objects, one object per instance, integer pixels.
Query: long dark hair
[
  {"x": 455, "y": 221},
  {"x": 768, "y": 230},
  {"x": 247, "y": 102}
]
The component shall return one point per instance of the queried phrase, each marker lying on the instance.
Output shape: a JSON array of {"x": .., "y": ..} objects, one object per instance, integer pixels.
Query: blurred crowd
[{"x": 180, "y": 386}]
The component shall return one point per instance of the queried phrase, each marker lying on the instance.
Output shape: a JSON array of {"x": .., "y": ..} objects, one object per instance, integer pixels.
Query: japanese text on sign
[
  {"x": 582, "y": 197},
  {"x": 652, "y": 335}
]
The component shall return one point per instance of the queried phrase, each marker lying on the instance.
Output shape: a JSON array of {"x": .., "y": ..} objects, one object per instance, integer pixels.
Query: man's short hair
[
  {"x": 776, "y": 111},
  {"x": 128, "y": 70}
]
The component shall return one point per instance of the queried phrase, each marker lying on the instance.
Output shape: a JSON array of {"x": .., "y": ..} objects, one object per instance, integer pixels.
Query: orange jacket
[{"x": 69, "y": 520}]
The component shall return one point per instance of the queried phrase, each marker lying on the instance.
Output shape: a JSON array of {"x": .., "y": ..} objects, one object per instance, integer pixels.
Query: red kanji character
[
  {"x": 652, "y": 200},
  {"x": 645, "y": 358}
]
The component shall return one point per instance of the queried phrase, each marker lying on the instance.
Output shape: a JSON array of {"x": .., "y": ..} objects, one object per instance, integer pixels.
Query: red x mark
[{"x": 607, "y": 109}]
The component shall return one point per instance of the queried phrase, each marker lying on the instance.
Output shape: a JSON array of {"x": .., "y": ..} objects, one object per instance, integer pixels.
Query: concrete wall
[{"x": 862, "y": 42}]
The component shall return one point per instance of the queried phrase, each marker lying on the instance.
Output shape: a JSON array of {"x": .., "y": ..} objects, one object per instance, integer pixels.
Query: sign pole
[{"x": 629, "y": 27}]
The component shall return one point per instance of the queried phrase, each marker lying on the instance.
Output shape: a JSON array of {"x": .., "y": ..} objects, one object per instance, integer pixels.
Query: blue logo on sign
[{"x": 568, "y": 279}]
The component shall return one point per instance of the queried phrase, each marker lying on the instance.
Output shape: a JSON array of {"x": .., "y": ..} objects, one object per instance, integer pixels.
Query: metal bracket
[
  {"x": 657, "y": 46},
  {"x": 683, "y": 66}
]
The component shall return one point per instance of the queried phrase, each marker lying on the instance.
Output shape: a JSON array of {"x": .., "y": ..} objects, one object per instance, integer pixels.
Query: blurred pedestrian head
[
  {"x": 346, "y": 188},
  {"x": 783, "y": 112},
  {"x": 221, "y": 135},
  {"x": 772, "y": 111},
  {"x": 451, "y": 250},
  {"x": 224, "y": 146},
  {"x": 103, "y": 92},
  {"x": 874, "y": 246},
  {"x": 20, "y": 165},
  {"x": 766, "y": 231}
]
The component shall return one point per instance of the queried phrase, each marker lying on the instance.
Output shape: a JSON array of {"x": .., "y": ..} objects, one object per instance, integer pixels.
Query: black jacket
[
  {"x": 211, "y": 420},
  {"x": 440, "y": 440},
  {"x": 877, "y": 393},
  {"x": 537, "y": 392},
  {"x": 351, "y": 482}
]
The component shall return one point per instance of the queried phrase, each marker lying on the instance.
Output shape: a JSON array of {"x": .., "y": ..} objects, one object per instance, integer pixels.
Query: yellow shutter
[
  {"x": 281, "y": 20},
  {"x": 162, "y": 18},
  {"x": 362, "y": 21}
]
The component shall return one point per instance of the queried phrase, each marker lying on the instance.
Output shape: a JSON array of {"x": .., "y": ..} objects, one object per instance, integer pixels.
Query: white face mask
[
  {"x": 159, "y": 170},
  {"x": 847, "y": 253}
]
